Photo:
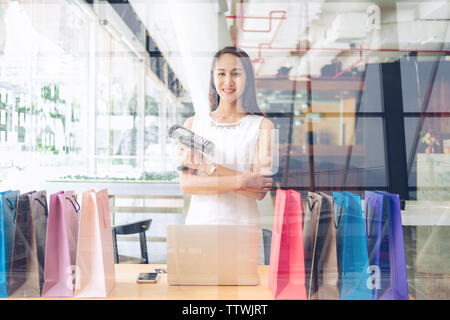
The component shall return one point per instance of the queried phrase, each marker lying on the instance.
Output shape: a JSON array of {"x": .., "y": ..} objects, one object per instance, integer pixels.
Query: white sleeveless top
[{"x": 235, "y": 148}]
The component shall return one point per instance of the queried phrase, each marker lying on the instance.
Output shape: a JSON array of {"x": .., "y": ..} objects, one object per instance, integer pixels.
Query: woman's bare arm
[
  {"x": 193, "y": 184},
  {"x": 263, "y": 158},
  {"x": 223, "y": 180}
]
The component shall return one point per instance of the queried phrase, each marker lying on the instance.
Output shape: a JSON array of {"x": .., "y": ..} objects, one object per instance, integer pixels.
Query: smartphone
[{"x": 147, "y": 277}]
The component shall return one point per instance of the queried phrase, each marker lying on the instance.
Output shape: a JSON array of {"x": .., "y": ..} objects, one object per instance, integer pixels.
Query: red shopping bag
[{"x": 287, "y": 263}]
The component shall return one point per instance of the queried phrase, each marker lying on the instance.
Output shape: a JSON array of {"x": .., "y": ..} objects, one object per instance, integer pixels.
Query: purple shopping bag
[
  {"x": 398, "y": 288},
  {"x": 60, "y": 253}
]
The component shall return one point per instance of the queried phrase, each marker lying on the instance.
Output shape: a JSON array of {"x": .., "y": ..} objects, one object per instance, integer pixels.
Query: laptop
[{"x": 212, "y": 255}]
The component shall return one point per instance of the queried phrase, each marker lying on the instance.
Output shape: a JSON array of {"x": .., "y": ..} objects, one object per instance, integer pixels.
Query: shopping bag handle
[
  {"x": 373, "y": 208},
  {"x": 309, "y": 205},
  {"x": 278, "y": 222},
  {"x": 340, "y": 215},
  {"x": 43, "y": 204},
  {"x": 10, "y": 205},
  {"x": 74, "y": 198}
]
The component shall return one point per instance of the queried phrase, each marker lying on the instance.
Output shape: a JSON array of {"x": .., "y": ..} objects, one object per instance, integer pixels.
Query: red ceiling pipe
[
  {"x": 260, "y": 59},
  {"x": 349, "y": 49},
  {"x": 270, "y": 18}
]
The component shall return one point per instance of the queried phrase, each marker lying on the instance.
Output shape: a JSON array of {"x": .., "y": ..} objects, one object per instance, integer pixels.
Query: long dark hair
[{"x": 249, "y": 103}]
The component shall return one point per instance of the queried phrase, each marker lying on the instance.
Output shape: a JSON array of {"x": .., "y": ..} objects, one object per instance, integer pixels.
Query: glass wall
[
  {"x": 425, "y": 76},
  {"x": 325, "y": 127},
  {"x": 358, "y": 91},
  {"x": 44, "y": 77},
  {"x": 71, "y": 98},
  {"x": 361, "y": 104},
  {"x": 79, "y": 106}
]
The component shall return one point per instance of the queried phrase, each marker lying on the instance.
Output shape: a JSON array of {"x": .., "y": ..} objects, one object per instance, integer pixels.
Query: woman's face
[{"x": 229, "y": 78}]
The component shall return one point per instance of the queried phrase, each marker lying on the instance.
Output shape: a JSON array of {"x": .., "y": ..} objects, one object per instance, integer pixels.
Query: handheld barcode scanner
[{"x": 193, "y": 141}]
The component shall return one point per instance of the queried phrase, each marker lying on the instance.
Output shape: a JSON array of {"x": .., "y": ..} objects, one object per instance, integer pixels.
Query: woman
[{"x": 225, "y": 191}]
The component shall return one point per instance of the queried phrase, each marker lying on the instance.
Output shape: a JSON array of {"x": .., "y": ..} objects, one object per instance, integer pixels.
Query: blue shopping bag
[
  {"x": 3, "y": 288},
  {"x": 377, "y": 231},
  {"x": 8, "y": 201},
  {"x": 351, "y": 246}
]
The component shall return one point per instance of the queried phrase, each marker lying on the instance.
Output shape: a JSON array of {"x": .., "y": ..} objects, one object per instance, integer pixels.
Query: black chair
[
  {"x": 267, "y": 240},
  {"x": 132, "y": 228}
]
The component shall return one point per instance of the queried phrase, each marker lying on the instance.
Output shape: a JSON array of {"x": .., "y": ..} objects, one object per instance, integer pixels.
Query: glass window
[
  {"x": 325, "y": 128},
  {"x": 44, "y": 71},
  {"x": 358, "y": 93}
]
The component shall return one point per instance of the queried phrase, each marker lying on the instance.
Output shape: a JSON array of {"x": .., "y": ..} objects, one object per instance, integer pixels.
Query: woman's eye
[
  {"x": 237, "y": 74},
  {"x": 221, "y": 74}
]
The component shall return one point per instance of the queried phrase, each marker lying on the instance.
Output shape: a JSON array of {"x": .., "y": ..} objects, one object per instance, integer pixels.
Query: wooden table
[{"x": 126, "y": 287}]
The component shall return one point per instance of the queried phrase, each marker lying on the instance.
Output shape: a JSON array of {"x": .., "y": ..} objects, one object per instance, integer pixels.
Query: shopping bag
[
  {"x": 383, "y": 210},
  {"x": 287, "y": 265},
  {"x": 95, "y": 274},
  {"x": 61, "y": 245},
  {"x": 3, "y": 288},
  {"x": 28, "y": 255},
  {"x": 319, "y": 239},
  {"x": 8, "y": 201},
  {"x": 376, "y": 229},
  {"x": 351, "y": 246}
]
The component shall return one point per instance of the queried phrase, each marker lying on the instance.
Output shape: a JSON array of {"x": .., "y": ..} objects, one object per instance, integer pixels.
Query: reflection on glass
[
  {"x": 326, "y": 126},
  {"x": 424, "y": 86},
  {"x": 424, "y": 83},
  {"x": 153, "y": 127},
  {"x": 430, "y": 169},
  {"x": 102, "y": 96},
  {"x": 124, "y": 115},
  {"x": 43, "y": 84}
]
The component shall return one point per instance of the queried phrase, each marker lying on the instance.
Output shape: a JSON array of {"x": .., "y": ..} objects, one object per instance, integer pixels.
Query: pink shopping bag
[
  {"x": 95, "y": 274},
  {"x": 287, "y": 263},
  {"x": 61, "y": 245}
]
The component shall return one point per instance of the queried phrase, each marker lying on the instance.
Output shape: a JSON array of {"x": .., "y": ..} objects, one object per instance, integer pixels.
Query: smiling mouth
[{"x": 228, "y": 90}]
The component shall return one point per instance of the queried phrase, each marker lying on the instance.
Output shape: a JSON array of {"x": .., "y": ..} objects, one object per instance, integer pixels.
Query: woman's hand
[
  {"x": 255, "y": 182},
  {"x": 191, "y": 159}
]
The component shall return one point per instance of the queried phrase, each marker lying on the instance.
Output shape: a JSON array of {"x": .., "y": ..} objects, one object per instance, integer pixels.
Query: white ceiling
[{"x": 189, "y": 32}]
